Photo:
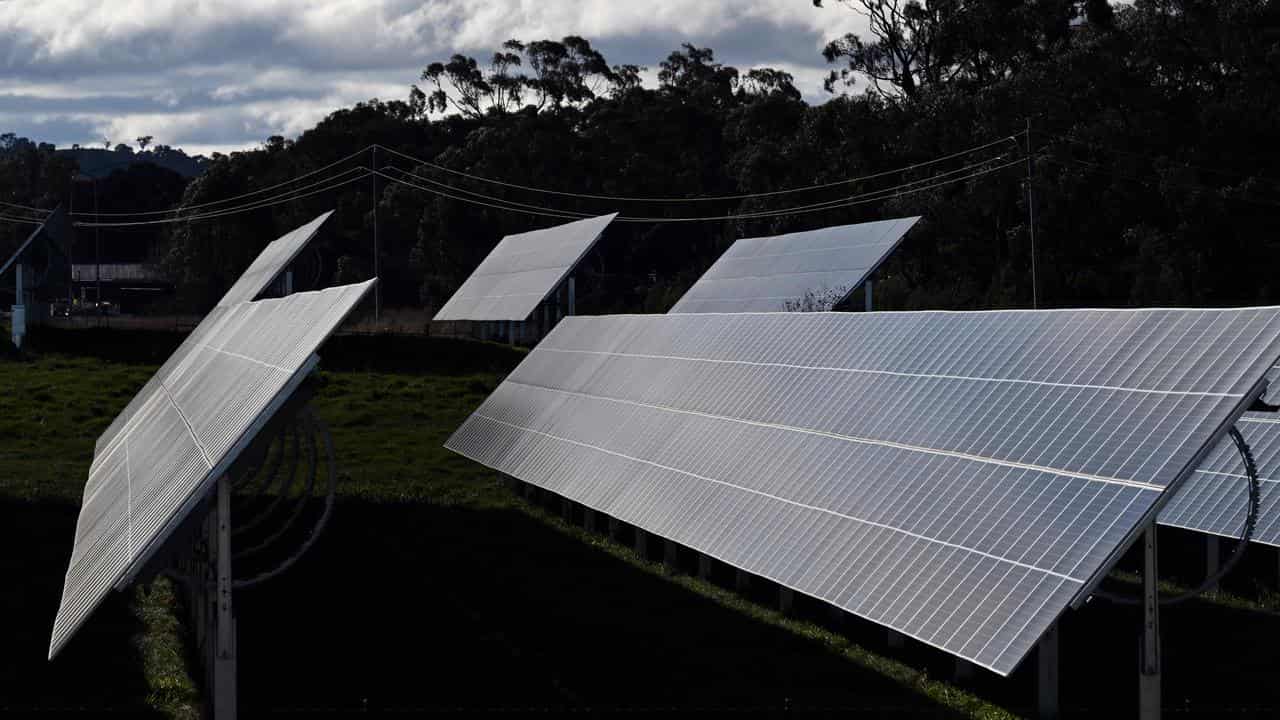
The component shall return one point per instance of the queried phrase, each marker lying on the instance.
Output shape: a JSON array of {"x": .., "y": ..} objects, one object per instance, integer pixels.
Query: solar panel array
[
  {"x": 958, "y": 477},
  {"x": 522, "y": 271},
  {"x": 273, "y": 259},
  {"x": 203, "y": 409},
  {"x": 1215, "y": 498},
  {"x": 767, "y": 274},
  {"x": 264, "y": 269}
]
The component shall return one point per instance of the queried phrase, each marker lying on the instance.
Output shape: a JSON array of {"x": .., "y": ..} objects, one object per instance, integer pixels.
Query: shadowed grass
[{"x": 437, "y": 589}]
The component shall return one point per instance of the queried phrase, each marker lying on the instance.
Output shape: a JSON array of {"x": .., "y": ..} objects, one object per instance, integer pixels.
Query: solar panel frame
[
  {"x": 191, "y": 426},
  {"x": 264, "y": 269},
  {"x": 554, "y": 401},
  {"x": 50, "y": 228},
  {"x": 859, "y": 250},
  {"x": 273, "y": 259},
  {"x": 523, "y": 254},
  {"x": 1213, "y": 500}
]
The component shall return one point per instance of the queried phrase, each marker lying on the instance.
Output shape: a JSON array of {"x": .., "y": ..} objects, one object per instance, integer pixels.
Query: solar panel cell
[
  {"x": 1214, "y": 498},
  {"x": 264, "y": 269},
  {"x": 959, "y": 477},
  {"x": 776, "y": 273},
  {"x": 522, "y": 271},
  {"x": 188, "y": 425}
]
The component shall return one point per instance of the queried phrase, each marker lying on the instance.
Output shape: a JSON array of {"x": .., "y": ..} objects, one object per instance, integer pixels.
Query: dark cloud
[{"x": 227, "y": 74}]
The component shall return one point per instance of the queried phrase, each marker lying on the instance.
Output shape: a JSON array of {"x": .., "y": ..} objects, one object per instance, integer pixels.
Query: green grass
[{"x": 435, "y": 588}]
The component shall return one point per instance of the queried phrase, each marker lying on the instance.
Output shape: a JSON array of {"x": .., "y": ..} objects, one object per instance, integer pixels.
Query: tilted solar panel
[
  {"x": 959, "y": 477},
  {"x": 1215, "y": 498},
  {"x": 792, "y": 271},
  {"x": 522, "y": 271},
  {"x": 273, "y": 259},
  {"x": 264, "y": 269},
  {"x": 190, "y": 425}
]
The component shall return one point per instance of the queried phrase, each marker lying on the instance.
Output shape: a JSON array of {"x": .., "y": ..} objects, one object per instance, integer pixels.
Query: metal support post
[
  {"x": 704, "y": 567},
  {"x": 566, "y": 509},
  {"x": 964, "y": 670},
  {"x": 866, "y": 291},
  {"x": 589, "y": 519},
  {"x": 897, "y": 640},
  {"x": 786, "y": 600},
  {"x": 615, "y": 528},
  {"x": 573, "y": 296},
  {"x": 19, "y": 319},
  {"x": 671, "y": 555},
  {"x": 741, "y": 580},
  {"x": 511, "y": 332},
  {"x": 288, "y": 281},
  {"x": 377, "y": 287},
  {"x": 1212, "y": 558},
  {"x": 1047, "y": 675},
  {"x": 642, "y": 544},
  {"x": 1149, "y": 658},
  {"x": 224, "y": 659}
]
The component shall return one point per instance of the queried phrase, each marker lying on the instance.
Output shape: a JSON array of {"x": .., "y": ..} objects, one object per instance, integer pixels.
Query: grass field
[{"x": 435, "y": 588}]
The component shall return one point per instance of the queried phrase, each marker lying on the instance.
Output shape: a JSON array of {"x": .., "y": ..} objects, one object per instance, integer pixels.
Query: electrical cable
[
  {"x": 1246, "y": 535},
  {"x": 259, "y": 191},
  {"x": 795, "y": 209},
  {"x": 427, "y": 163},
  {"x": 1153, "y": 158},
  {"x": 257, "y": 205},
  {"x": 27, "y": 208},
  {"x": 22, "y": 221},
  {"x": 703, "y": 198},
  {"x": 874, "y": 196}
]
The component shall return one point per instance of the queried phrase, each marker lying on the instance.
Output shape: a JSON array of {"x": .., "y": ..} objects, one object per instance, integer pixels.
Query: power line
[
  {"x": 27, "y": 208},
  {"x": 875, "y": 196},
  {"x": 1218, "y": 192},
  {"x": 1099, "y": 146},
  {"x": 24, "y": 221},
  {"x": 800, "y": 208},
  {"x": 259, "y": 191},
  {"x": 705, "y": 198},
  {"x": 257, "y": 205}
]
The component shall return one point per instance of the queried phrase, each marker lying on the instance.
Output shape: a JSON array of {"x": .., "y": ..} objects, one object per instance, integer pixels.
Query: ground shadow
[
  {"x": 421, "y": 607},
  {"x": 99, "y": 671}
]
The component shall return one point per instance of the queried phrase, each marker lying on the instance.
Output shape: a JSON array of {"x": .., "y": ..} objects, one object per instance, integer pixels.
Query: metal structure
[
  {"x": 796, "y": 270},
  {"x": 523, "y": 272},
  {"x": 178, "y": 450},
  {"x": 1215, "y": 497},
  {"x": 961, "y": 478},
  {"x": 41, "y": 267},
  {"x": 270, "y": 264}
]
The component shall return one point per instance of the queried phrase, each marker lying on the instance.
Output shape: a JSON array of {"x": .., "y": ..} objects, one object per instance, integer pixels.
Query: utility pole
[
  {"x": 1031, "y": 219},
  {"x": 377, "y": 287},
  {"x": 97, "y": 247}
]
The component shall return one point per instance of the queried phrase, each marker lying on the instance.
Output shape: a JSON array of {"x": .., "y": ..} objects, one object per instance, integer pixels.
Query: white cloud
[{"x": 227, "y": 73}]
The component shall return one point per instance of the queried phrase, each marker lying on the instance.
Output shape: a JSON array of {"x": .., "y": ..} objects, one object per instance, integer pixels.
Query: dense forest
[{"x": 1145, "y": 132}]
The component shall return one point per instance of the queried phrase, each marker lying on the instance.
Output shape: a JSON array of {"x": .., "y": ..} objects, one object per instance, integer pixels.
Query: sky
[{"x": 223, "y": 75}]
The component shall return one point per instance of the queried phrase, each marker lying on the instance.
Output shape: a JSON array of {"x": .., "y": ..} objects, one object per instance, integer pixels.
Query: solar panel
[
  {"x": 264, "y": 269},
  {"x": 767, "y": 274},
  {"x": 959, "y": 477},
  {"x": 522, "y": 271},
  {"x": 1214, "y": 499},
  {"x": 273, "y": 259},
  {"x": 190, "y": 425}
]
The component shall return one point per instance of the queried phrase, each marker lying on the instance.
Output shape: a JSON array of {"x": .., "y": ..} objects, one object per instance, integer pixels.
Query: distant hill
[{"x": 98, "y": 162}]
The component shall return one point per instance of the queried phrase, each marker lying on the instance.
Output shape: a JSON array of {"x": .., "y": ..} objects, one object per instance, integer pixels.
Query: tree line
[{"x": 1150, "y": 165}]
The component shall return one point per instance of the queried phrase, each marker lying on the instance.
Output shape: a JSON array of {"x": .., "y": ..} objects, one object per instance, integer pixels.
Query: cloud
[{"x": 225, "y": 74}]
